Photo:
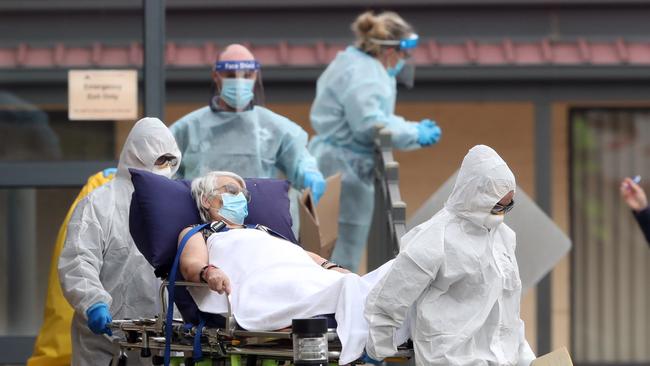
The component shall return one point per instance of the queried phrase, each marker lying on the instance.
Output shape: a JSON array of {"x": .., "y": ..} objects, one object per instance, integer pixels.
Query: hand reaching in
[{"x": 633, "y": 195}]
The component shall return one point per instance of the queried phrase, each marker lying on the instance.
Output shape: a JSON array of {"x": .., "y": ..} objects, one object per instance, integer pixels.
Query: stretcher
[
  {"x": 192, "y": 344},
  {"x": 229, "y": 344}
]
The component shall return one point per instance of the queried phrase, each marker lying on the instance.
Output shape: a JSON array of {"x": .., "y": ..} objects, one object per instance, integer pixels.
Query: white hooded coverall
[
  {"x": 99, "y": 261},
  {"x": 457, "y": 281}
]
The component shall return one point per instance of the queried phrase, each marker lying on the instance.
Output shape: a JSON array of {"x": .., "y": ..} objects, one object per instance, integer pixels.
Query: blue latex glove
[
  {"x": 367, "y": 360},
  {"x": 428, "y": 123},
  {"x": 315, "y": 181},
  {"x": 428, "y": 132},
  {"x": 99, "y": 318}
]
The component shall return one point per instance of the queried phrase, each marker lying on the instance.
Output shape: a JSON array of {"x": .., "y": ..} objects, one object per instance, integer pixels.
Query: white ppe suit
[
  {"x": 459, "y": 280},
  {"x": 99, "y": 261}
]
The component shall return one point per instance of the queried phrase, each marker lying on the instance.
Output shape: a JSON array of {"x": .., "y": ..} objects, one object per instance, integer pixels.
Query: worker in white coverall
[
  {"x": 456, "y": 280},
  {"x": 102, "y": 273}
]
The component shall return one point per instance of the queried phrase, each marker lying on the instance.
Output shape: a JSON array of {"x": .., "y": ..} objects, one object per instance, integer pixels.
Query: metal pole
[
  {"x": 378, "y": 237},
  {"x": 154, "y": 58},
  {"x": 23, "y": 313},
  {"x": 543, "y": 182},
  {"x": 382, "y": 241}
]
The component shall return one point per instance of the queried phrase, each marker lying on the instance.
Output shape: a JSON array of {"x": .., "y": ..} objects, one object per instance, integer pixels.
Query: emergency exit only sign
[{"x": 102, "y": 95}]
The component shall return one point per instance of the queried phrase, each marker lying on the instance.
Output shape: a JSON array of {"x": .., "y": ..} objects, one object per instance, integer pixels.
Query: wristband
[
  {"x": 203, "y": 270},
  {"x": 334, "y": 265}
]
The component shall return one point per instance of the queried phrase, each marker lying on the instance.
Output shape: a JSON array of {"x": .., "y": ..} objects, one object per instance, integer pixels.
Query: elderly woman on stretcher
[{"x": 269, "y": 280}]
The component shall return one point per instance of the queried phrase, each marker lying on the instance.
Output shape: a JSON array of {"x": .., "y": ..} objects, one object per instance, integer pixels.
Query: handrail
[
  {"x": 389, "y": 218},
  {"x": 230, "y": 318}
]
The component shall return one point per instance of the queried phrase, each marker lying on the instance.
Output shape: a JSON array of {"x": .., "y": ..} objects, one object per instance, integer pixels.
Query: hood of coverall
[
  {"x": 148, "y": 140},
  {"x": 484, "y": 178}
]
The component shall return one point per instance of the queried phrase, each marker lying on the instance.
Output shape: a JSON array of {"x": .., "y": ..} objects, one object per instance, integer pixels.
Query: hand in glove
[
  {"x": 315, "y": 181},
  {"x": 428, "y": 132},
  {"x": 99, "y": 318}
]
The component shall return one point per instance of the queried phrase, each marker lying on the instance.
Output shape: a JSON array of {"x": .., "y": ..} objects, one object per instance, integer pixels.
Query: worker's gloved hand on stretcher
[
  {"x": 368, "y": 360},
  {"x": 99, "y": 319}
]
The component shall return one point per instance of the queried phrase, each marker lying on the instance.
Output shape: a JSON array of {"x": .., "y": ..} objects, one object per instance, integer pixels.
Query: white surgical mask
[
  {"x": 165, "y": 172},
  {"x": 492, "y": 221}
]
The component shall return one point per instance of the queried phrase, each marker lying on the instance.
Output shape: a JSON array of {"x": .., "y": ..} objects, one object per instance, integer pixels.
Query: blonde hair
[
  {"x": 387, "y": 25},
  {"x": 204, "y": 187}
]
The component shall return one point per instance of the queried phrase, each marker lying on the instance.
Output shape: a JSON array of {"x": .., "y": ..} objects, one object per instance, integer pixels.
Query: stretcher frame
[
  {"x": 227, "y": 343},
  {"x": 230, "y": 343}
]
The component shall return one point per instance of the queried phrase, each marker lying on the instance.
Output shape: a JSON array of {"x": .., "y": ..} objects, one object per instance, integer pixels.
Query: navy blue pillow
[{"x": 161, "y": 208}]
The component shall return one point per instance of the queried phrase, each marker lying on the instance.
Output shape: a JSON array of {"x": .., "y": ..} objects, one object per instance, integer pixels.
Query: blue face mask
[
  {"x": 235, "y": 208},
  {"x": 237, "y": 92},
  {"x": 394, "y": 71}
]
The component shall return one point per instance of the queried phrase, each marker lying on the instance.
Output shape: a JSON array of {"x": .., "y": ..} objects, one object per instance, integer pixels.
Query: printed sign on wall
[{"x": 102, "y": 94}]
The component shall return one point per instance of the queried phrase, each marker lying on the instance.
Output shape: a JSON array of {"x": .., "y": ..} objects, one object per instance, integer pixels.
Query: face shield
[
  {"x": 404, "y": 71},
  {"x": 239, "y": 84}
]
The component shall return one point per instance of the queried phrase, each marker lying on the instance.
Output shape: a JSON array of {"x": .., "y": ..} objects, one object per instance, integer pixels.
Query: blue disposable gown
[
  {"x": 255, "y": 143},
  {"x": 354, "y": 94}
]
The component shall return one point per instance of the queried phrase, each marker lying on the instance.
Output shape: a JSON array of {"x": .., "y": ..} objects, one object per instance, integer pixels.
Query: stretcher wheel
[
  {"x": 157, "y": 360},
  {"x": 251, "y": 360}
]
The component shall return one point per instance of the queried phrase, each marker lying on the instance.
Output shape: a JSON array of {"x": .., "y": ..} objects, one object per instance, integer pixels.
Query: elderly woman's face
[{"x": 214, "y": 202}]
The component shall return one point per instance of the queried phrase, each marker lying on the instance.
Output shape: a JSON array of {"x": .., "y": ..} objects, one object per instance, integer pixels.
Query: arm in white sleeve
[
  {"x": 81, "y": 260},
  {"x": 526, "y": 355},
  {"x": 365, "y": 105},
  {"x": 389, "y": 301}
]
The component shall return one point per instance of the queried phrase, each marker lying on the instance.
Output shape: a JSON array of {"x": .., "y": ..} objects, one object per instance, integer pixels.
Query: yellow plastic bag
[{"x": 53, "y": 346}]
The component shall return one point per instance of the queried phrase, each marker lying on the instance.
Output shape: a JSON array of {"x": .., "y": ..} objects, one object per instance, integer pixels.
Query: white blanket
[{"x": 274, "y": 281}]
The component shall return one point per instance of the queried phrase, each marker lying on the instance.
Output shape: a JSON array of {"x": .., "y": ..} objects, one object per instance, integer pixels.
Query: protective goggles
[
  {"x": 167, "y": 160},
  {"x": 248, "y": 65},
  {"x": 404, "y": 44},
  {"x": 234, "y": 190},
  {"x": 500, "y": 209}
]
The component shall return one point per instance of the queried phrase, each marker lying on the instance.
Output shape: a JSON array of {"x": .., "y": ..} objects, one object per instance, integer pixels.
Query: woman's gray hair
[{"x": 204, "y": 187}]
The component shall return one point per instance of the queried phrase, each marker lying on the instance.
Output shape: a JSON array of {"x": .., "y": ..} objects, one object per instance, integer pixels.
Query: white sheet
[{"x": 274, "y": 281}]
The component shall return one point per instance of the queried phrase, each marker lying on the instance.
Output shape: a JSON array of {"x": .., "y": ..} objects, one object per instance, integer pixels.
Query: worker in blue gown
[
  {"x": 236, "y": 133},
  {"x": 356, "y": 92}
]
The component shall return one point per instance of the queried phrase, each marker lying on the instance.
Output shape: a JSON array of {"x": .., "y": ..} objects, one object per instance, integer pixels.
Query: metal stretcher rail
[{"x": 389, "y": 219}]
